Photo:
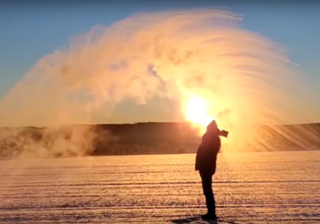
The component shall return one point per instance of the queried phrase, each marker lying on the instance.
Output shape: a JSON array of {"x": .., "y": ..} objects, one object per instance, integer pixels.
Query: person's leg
[{"x": 208, "y": 193}]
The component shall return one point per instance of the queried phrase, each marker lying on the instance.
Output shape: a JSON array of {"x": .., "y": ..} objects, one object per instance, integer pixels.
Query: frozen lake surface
[{"x": 249, "y": 188}]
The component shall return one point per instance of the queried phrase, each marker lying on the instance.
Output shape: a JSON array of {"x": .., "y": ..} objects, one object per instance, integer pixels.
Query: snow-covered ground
[{"x": 249, "y": 188}]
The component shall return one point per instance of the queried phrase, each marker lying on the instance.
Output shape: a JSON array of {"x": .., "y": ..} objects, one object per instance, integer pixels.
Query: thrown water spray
[{"x": 246, "y": 79}]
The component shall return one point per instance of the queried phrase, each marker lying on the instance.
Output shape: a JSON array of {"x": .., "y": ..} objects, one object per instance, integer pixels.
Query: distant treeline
[
  {"x": 289, "y": 137},
  {"x": 145, "y": 138},
  {"x": 139, "y": 138}
]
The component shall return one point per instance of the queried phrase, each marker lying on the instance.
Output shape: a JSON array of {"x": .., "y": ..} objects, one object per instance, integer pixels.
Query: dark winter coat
[{"x": 207, "y": 152}]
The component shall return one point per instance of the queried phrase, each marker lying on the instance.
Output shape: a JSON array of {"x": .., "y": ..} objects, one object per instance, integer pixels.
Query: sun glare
[{"x": 197, "y": 112}]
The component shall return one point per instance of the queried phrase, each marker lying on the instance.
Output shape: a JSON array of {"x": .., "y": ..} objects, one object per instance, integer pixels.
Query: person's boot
[{"x": 209, "y": 216}]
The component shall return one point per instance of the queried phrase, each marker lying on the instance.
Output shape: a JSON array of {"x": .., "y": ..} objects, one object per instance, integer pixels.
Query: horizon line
[{"x": 142, "y": 122}]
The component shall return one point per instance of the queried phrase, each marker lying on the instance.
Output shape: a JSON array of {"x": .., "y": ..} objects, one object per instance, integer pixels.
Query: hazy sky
[{"x": 33, "y": 29}]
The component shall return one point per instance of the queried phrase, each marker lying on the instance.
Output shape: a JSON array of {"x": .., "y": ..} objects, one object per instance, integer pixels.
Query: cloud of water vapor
[{"x": 247, "y": 79}]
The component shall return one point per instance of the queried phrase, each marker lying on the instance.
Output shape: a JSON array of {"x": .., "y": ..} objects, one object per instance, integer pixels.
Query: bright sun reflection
[{"x": 197, "y": 112}]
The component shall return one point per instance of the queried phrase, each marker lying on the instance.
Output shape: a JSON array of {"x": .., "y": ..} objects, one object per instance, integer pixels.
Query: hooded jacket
[{"x": 208, "y": 149}]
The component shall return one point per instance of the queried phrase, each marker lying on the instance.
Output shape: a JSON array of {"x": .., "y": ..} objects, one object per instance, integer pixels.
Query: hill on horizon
[{"x": 140, "y": 138}]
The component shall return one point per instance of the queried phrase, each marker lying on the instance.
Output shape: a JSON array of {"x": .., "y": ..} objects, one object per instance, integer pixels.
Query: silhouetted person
[{"x": 206, "y": 164}]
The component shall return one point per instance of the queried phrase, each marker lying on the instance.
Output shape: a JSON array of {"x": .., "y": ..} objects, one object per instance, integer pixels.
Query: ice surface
[{"x": 249, "y": 188}]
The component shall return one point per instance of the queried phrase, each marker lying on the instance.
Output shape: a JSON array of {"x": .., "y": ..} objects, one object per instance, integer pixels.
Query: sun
[{"x": 196, "y": 111}]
